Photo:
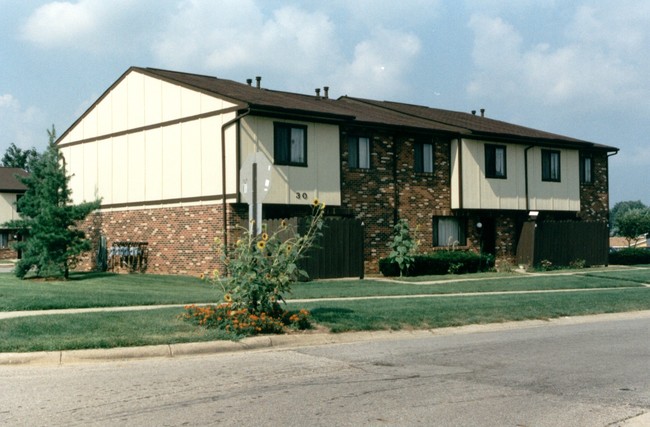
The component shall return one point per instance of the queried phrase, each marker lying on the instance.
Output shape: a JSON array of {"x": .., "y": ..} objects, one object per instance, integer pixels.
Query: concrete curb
[{"x": 285, "y": 341}]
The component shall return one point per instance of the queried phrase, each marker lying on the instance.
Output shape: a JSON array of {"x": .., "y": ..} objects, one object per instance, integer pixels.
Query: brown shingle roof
[
  {"x": 354, "y": 110},
  {"x": 8, "y": 181},
  {"x": 476, "y": 125}
]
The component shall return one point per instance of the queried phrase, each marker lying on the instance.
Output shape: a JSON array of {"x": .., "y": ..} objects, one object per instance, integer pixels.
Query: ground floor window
[
  {"x": 449, "y": 231},
  {"x": 4, "y": 240}
]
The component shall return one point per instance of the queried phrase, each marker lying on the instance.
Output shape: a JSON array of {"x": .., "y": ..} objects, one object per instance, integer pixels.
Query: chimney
[
  {"x": 258, "y": 79},
  {"x": 250, "y": 82},
  {"x": 473, "y": 112},
  {"x": 317, "y": 92},
  {"x": 326, "y": 89},
  {"x": 482, "y": 112}
]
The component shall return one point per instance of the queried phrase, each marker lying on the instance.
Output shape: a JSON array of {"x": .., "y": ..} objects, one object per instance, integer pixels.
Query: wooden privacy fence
[
  {"x": 563, "y": 242},
  {"x": 339, "y": 252}
]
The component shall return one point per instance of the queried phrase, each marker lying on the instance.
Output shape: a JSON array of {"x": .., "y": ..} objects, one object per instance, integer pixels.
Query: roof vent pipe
[
  {"x": 258, "y": 79},
  {"x": 482, "y": 112},
  {"x": 473, "y": 112},
  {"x": 250, "y": 82},
  {"x": 326, "y": 89},
  {"x": 317, "y": 92}
]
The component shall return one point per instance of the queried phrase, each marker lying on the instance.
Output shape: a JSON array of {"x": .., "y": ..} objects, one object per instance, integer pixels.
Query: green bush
[
  {"x": 630, "y": 256},
  {"x": 442, "y": 262}
]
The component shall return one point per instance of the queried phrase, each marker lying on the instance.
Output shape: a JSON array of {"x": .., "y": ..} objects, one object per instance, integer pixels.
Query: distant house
[
  {"x": 618, "y": 243},
  {"x": 164, "y": 151},
  {"x": 11, "y": 189}
]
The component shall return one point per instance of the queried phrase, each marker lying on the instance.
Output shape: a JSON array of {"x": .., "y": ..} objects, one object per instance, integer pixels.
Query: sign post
[{"x": 254, "y": 184}]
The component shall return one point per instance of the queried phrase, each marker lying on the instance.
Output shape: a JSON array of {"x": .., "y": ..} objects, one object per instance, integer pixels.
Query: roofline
[{"x": 549, "y": 141}]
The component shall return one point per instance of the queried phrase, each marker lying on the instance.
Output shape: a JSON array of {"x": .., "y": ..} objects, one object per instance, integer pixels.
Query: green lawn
[
  {"x": 102, "y": 290},
  {"x": 611, "y": 291}
]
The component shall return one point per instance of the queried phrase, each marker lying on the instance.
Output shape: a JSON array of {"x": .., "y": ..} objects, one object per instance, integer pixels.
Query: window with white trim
[
  {"x": 290, "y": 144},
  {"x": 423, "y": 157},
  {"x": 359, "y": 152},
  {"x": 449, "y": 231}
]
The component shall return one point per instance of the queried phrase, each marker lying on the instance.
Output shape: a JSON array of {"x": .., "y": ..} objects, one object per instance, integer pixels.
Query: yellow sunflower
[
  {"x": 227, "y": 298},
  {"x": 315, "y": 203},
  {"x": 265, "y": 236},
  {"x": 261, "y": 245}
]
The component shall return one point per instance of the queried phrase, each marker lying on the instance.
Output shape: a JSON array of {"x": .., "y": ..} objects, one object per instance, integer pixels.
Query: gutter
[{"x": 224, "y": 206}]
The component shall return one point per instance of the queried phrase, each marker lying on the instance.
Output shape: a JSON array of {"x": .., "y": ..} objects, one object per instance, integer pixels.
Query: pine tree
[{"x": 49, "y": 219}]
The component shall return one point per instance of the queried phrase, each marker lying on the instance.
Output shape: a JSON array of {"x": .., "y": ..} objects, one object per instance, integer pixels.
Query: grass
[
  {"x": 612, "y": 291},
  {"x": 102, "y": 290}
]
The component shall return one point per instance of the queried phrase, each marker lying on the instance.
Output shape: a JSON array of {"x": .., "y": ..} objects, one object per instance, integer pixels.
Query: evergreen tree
[
  {"x": 48, "y": 219},
  {"x": 16, "y": 157}
]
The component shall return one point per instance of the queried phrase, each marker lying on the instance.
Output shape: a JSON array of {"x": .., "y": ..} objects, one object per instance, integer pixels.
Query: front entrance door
[{"x": 488, "y": 235}]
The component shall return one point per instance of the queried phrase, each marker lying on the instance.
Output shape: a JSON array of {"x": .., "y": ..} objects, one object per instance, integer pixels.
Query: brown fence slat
[
  {"x": 339, "y": 251},
  {"x": 563, "y": 242}
]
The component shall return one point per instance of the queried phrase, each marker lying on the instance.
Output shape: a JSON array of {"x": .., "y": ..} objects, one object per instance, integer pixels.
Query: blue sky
[{"x": 580, "y": 68}]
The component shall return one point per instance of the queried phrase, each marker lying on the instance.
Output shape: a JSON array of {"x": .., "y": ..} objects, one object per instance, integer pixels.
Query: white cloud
[
  {"x": 61, "y": 23},
  {"x": 380, "y": 65},
  {"x": 96, "y": 26},
  {"x": 18, "y": 123},
  {"x": 592, "y": 67}
]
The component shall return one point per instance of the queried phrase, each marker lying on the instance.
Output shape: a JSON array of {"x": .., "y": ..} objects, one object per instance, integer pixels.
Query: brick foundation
[{"x": 180, "y": 240}]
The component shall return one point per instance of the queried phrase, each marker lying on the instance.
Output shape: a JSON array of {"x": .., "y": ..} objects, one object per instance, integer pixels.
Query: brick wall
[
  {"x": 180, "y": 240},
  {"x": 391, "y": 189},
  {"x": 594, "y": 197}
]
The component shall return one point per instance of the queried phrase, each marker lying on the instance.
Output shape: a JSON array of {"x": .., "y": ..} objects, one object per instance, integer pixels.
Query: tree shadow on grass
[
  {"x": 90, "y": 275},
  {"x": 326, "y": 314}
]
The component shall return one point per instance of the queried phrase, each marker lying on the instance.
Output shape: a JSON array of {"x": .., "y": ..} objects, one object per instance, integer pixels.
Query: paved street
[{"x": 586, "y": 374}]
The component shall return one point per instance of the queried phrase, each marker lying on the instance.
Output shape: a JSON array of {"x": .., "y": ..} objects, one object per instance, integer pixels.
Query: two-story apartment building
[
  {"x": 10, "y": 190},
  {"x": 164, "y": 150}
]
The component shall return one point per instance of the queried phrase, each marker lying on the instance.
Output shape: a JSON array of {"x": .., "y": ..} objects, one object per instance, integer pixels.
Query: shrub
[
  {"x": 630, "y": 256},
  {"x": 442, "y": 262},
  {"x": 260, "y": 271},
  {"x": 402, "y": 246},
  {"x": 240, "y": 322}
]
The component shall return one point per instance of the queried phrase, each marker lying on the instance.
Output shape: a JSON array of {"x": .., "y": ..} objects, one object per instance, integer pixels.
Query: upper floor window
[
  {"x": 449, "y": 231},
  {"x": 290, "y": 144},
  {"x": 495, "y": 161},
  {"x": 551, "y": 165},
  {"x": 586, "y": 170},
  {"x": 423, "y": 157},
  {"x": 359, "y": 152}
]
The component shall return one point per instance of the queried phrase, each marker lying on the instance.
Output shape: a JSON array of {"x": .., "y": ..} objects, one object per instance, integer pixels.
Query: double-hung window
[
  {"x": 449, "y": 231},
  {"x": 290, "y": 144},
  {"x": 359, "y": 152},
  {"x": 423, "y": 157},
  {"x": 586, "y": 170},
  {"x": 495, "y": 161},
  {"x": 551, "y": 165}
]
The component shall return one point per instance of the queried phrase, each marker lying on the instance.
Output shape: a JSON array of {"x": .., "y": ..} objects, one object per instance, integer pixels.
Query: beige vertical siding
[
  {"x": 8, "y": 207},
  {"x": 319, "y": 180},
  {"x": 479, "y": 192},
  {"x": 117, "y": 152}
]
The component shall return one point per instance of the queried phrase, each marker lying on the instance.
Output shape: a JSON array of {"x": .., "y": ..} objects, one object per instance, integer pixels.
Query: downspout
[
  {"x": 223, "y": 174},
  {"x": 395, "y": 184},
  {"x": 460, "y": 171},
  {"x": 526, "y": 176}
]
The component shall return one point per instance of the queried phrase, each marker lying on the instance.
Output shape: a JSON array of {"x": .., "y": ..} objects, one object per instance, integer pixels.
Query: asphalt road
[{"x": 562, "y": 374}]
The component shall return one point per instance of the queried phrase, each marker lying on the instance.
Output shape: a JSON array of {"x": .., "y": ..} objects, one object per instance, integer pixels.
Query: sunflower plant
[{"x": 262, "y": 268}]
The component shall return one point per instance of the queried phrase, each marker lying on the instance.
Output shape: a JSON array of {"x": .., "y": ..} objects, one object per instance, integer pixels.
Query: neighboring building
[
  {"x": 164, "y": 149},
  {"x": 11, "y": 189},
  {"x": 617, "y": 243}
]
